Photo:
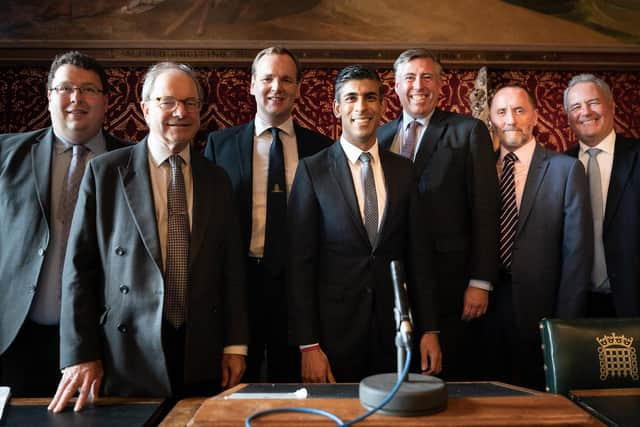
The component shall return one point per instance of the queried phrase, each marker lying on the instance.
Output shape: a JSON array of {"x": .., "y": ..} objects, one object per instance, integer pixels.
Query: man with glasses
[
  {"x": 39, "y": 176},
  {"x": 261, "y": 158},
  {"x": 154, "y": 292}
]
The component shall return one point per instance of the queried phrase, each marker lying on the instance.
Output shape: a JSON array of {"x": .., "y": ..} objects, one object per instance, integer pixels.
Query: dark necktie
[
  {"x": 508, "y": 210},
  {"x": 370, "y": 197},
  {"x": 409, "y": 145},
  {"x": 177, "y": 271},
  {"x": 274, "y": 235},
  {"x": 599, "y": 272}
]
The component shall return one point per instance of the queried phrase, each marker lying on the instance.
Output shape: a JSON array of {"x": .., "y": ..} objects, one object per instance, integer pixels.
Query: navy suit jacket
[
  {"x": 25, "y": 170},
  {"x": 553, "y": 247},
  {"x": 339, "y": 284},
  {"x": 232, "y": 149},
  {"x": 621, "y": 227},
  {"x": 113, "y": 282},
  {"x": 457, "y": 180}
]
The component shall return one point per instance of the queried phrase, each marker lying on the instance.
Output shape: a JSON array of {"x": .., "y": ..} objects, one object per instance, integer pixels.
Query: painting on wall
[{"x": 594, "y": 23}]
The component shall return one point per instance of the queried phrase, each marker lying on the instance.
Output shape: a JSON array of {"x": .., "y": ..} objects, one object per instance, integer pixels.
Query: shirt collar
[
  {"x": 424, "y": 121},
  {"x": 262, "y": 127},
  {"x": 607, "y": 145},
  {"x": 353, "y": 153},
  {"x": 96, "y": 145},
  {"x": 159, "y": 153},
  {"x": 524, "y": 153}
]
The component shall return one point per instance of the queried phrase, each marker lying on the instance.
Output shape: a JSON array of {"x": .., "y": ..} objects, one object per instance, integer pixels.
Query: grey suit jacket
[
  {"x": 113, "y": 285},
  {"x": 25, "y": 169},
  {"x": 553, "y": 248}
]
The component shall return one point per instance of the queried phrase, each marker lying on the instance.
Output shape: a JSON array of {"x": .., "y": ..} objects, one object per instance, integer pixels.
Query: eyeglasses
[
  {"x": 84, "y": 90},
  {"x": 169, "y": 103}
]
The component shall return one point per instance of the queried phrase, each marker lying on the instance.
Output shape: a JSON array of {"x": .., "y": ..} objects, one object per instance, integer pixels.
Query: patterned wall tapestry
[{"x": 23, "y": 102}]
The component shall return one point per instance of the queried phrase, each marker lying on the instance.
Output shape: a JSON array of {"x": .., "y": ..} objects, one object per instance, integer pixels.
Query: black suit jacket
[
  {"x": 232, "y": 149},
  {"x": 621, "y": 227},
  {"x": 457, "y": 179},
  {"x": 339, "y": 285},
  {"x": 113, "y": 284},
  {"x": 553, "y": 247},
  {"x": 25, "y": 170}
]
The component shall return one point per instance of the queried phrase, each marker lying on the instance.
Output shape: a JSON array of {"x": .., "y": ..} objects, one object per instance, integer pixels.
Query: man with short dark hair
[
  {"x": 261, "y": 158},
  {"x": 454, "y": 163},
  {"x": 352, "y": 211},
  {"x": 153, "y": 292},
  {"x": 39, "y": 176},
  {"x": 611, "y": 161}
]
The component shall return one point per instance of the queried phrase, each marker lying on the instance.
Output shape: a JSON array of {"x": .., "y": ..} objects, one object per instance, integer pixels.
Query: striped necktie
[{"x": 508, "y": 211}]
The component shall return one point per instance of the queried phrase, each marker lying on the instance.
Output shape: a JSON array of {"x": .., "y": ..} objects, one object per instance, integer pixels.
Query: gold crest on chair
[{"x": 617, "y": 357}]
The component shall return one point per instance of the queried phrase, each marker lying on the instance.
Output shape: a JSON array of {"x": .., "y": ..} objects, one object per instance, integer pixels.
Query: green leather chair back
[{"x": 590, "y": 353}]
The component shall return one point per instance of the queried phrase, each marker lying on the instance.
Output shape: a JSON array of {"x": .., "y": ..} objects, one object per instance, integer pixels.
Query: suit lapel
[
  {"x": 430, "y": 139},
  {"x": 344, "y": 181},
  {"x": 41, "y": 153},
  {"x": 136, "y": 185},
  {"x": 202, "y": 205},
  {"x": 390, "y": 189},
  {"x": 304, "y": 149},
  {"x": 537, "y": 170},
  {"x": 623, "y": 164},
  {"x": 387, "y": 133}
]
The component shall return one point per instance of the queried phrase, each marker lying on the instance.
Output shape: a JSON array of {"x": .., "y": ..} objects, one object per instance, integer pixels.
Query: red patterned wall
[{"x": 23, "y": 104}]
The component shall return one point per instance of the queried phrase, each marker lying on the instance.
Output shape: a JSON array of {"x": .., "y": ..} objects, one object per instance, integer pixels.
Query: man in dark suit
[
  {"x": 454, "y": 163},
  {"x": 612, "y": 167},
  {"x": 353, "y": 210},
  {"x": 261, "y": 173},
  {"x": 37, "y": 195},
  {"x": 545, "y": 242},
  {"x": 153, "y": 292}
]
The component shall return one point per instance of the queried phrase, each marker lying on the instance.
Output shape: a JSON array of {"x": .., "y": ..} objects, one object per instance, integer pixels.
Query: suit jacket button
[
  {"x": 41, "y": 251},
  {"x": 124, "y": 289},
  {"x": 120, "y": 251},
  {"x": 122, "y": 328}
]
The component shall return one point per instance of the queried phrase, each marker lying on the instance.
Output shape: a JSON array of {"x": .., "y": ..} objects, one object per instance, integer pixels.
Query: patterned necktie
[
  {"x": 409, "y": 145},
  {"x": 370, "y": 197},
  {"x": 177, "y": 269},
  {"x": 274, "y": 234},
  {"x": 72, "y": 184},
  {"x": 599, "y": 272},
  {"x": 508, "y": 210}
]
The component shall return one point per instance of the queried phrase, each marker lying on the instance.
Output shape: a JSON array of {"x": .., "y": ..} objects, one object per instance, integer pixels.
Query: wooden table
[
  {"x": 105, "y": 411},
  {"x": 614, "y": 406},
  {"x": 528, "y": 409}
]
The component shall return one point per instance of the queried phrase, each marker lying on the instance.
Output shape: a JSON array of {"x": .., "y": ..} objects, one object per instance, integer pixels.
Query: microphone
[
  {"x": 401, "y": 310},
  {"x": 418, "y": 394}
]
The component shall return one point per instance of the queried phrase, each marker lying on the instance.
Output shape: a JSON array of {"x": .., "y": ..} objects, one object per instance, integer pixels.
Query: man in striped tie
[{"x": 545, "y": 240}]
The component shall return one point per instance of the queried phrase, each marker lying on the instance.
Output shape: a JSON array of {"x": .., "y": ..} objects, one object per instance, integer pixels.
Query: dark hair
[
  {"x": 411, "y": 54},
  {"x": 161, "y": 67},
  {"x": 531, "y": 96},
  {"x": 80, "y": 60},
  {"x": 357, "y": 72},
  {"x": 277, "y": 50}
]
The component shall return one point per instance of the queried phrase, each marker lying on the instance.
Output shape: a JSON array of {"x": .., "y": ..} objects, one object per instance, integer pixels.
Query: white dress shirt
[
  {"x": 261, "y": 145},
  {"x": 401, "y": 134}
]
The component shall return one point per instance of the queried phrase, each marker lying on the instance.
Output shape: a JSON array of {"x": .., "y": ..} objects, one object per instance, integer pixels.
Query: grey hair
[
  {"x": 161, "y": 67},
  {"x": 416, "y": 53},
  {"x": 587, "y": 78}
]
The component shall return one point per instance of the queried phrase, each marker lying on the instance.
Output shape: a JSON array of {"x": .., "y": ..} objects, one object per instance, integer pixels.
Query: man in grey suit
[
  {"x": 545, "y": 242},
  {"x": 453, "y": 162},
  {"x": 153, "y": 293},
  {"x": 39, "y": 173},
  {"x": 261, "y": 169},
  {"x": 613, "y": 169},
  {"x": 353, "y": 209}
]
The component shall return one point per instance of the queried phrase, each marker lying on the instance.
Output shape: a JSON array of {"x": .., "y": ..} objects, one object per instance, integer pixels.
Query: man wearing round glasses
[
  {"x": 154, "y": 289},
  {"x": 39, "y": 177}
]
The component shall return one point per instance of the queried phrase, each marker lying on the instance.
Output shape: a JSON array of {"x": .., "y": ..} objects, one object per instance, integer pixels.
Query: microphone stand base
[{"x": 417, "y": 396}]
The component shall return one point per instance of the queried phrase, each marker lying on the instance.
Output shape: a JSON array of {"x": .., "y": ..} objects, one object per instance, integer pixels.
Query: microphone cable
[{"x": 339, "y": 422}]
